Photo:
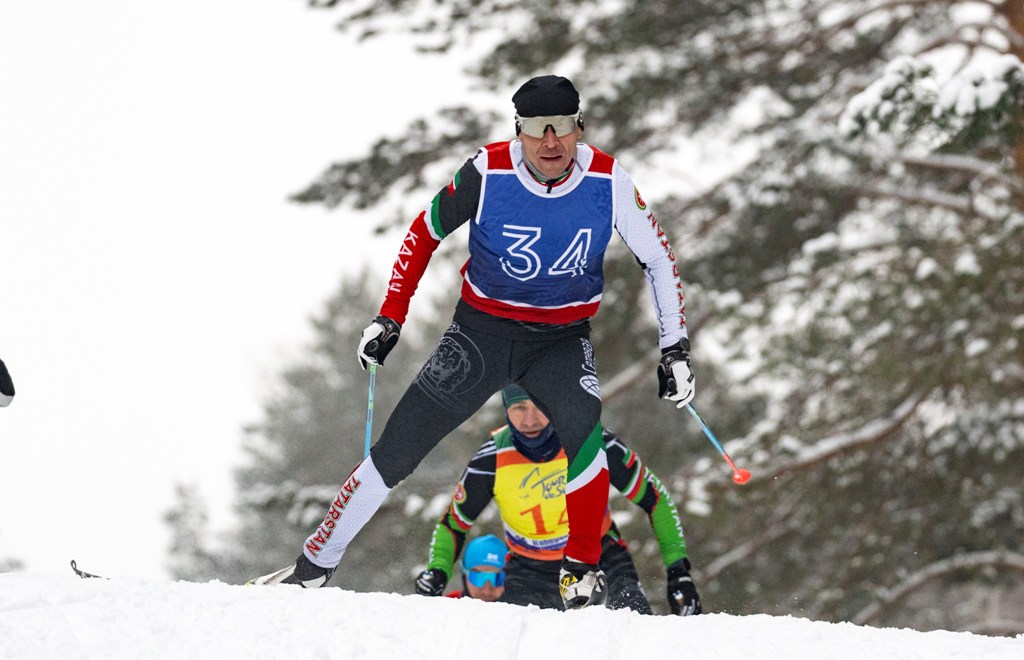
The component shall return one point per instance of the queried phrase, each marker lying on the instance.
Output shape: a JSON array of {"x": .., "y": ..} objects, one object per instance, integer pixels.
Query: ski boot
[
  {"x": 303, "y": 572},
  {"x": 581, "y": 584}
]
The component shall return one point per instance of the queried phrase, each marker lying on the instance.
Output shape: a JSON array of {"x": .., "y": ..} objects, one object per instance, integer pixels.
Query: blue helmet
[{"x": 486, "y": 550}]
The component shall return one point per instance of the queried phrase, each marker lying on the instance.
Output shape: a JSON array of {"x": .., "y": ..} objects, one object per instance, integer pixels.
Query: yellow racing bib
[{"x": 531, "y": 497}]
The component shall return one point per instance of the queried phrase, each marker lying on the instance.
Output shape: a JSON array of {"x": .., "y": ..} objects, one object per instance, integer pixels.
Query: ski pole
[
  {"x": 369, "y": 410},
  {"x": 739, "y": 476}
]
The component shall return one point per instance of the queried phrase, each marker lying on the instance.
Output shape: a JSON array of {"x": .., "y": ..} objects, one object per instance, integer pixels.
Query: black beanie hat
[{"x": 546, "y": 95}]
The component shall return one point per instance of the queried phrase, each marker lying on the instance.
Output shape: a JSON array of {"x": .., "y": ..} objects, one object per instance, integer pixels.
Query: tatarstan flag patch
[
  {"x": 640, "y": 203},
  {"x": 454, "y": 183}
]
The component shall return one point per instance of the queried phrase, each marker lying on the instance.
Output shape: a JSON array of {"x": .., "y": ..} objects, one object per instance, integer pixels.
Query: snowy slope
[{"x": 48, "y": 616}]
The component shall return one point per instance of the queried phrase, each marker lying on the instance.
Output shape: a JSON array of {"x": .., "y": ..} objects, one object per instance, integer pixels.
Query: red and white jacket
[{"x": 536, "y": 251}]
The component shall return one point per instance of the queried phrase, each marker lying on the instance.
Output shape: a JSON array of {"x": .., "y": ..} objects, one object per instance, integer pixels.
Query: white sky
[{"x": 153, "y": 277}]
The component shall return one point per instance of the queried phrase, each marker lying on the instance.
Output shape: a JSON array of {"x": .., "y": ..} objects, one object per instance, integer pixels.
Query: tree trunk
[{"x": 1014, "y": 12}]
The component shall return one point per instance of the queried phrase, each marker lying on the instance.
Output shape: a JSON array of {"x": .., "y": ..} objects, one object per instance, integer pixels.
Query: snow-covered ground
[{"x": 54, "y": 616}]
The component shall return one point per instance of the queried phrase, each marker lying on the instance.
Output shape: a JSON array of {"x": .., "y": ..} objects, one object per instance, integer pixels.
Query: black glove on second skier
[
  {"x": 682, "y": 593},
  {"x": 6, "y": 385},
  {"x": 377, "y": 341},
  {"x": 675, "y": 379},
  {"x": 431, "y": 582}
]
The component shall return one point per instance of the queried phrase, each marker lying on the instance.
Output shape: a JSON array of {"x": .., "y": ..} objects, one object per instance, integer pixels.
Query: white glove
[
  {"x": 675, "y": 378},
  {"x": 377, "y": 341}
]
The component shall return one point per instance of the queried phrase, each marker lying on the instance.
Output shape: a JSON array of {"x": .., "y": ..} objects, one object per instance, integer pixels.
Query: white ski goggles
[{"x": 536, "y": 126}]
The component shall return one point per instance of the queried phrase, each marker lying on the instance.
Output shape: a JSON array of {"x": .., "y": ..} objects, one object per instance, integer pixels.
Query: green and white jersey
[{"x": 531, "y": 500}]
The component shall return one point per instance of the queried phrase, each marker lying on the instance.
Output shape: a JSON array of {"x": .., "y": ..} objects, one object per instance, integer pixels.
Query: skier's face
[
  {"x": 489, "y": 592},
  {"x": 550, "y": 155},
  {"x": 527, "y": 418}
]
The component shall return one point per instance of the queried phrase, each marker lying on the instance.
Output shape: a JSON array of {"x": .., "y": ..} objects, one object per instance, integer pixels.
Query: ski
[{"x": 82, "y": 574}]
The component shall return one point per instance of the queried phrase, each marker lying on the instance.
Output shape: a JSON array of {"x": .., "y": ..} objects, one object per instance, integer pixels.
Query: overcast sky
[{"x": 153, "y": 277}]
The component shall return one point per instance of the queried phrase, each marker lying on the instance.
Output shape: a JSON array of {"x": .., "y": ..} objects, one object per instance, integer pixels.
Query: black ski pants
[
  {"x": 535, "y": 582},
  {"x": 478, "y": 355}
]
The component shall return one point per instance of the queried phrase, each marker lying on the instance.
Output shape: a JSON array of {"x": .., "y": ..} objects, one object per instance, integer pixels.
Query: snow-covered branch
[
  {"x": 971, "y": 34},
  {"x": 1003, "y": 559},
  {"x": 982, "y": 168},
  {"x": 972, "y": 44},
  {"x": 741, "y": 552},
  {"x": 869, "y": 434},
  {"x": 932, "y": 198},
  {"x": 888, "y": 6},
  {"x": 625, "y": 379},
  {"x": 628, "y": 377}
]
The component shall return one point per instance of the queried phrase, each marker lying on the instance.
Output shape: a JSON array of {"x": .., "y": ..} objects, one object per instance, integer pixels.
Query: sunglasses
[
  {"x": 536, "y": 126},
  {"x": 480, "y": 578}
]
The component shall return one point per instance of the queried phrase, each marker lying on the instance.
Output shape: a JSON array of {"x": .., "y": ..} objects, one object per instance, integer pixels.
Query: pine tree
[
  {"x": 854, "y": 270},
  {"x": 190, "y": 553}
]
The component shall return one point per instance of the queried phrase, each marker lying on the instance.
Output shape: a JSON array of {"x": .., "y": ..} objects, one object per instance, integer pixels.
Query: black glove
[
  {"x": 6, "y": 385},
  {"x": 682, "y": 593},
  {"x": 377, "y": 341},
  {"x": 675, "y": 379},
  {"x": 431, "y": 582}
]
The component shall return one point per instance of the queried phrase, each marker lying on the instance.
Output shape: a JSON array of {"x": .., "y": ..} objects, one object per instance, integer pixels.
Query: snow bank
[{"x": 47, "y": 616}]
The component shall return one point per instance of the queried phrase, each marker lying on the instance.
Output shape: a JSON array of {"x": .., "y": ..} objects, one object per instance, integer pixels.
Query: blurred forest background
[{"x": 844, "y": 183}]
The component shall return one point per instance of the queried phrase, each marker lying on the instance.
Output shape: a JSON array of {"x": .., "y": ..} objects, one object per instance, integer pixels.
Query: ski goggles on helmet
[
  {"x": 480, "y": 578},
  {"x": 536, "y": 126}
]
